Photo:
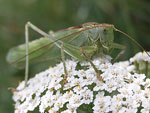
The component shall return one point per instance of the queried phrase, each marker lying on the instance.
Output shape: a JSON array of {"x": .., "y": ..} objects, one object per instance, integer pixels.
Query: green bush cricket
[{"x": 82, "y": 42}]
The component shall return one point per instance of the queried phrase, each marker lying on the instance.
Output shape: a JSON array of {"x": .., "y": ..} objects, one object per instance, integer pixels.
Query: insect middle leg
[{"x": 64, "y": 64}]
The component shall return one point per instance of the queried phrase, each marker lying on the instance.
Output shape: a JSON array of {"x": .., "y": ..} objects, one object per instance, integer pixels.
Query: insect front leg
[
  {"x": 118, "y": 46},
  {"x": 64, "y": 64},
  {"x": 92, "y": 64},
  {"x": 83, "y": 53}
]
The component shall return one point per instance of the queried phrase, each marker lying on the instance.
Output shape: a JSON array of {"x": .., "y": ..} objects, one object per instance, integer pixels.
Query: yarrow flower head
[
  {"x": 142, "y": 63},
  {"x": 122, "y": 89},
  {"x": 141, "y": 56}
]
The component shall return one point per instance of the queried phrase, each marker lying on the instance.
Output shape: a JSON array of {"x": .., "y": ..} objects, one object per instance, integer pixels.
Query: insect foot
[
  {"x": 99, "y": 77},
  {"x": 13, "y": 89},
  {"x": 83, "y": 88},
  {"x": 65, "y": 80}
]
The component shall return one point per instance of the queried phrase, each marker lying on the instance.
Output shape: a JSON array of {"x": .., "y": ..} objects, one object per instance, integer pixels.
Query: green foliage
[{"x": 131, "y": 16}]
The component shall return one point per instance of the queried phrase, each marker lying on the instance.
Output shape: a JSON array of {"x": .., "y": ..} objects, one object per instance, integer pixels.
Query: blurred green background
[{"x": 131, "y": 16}]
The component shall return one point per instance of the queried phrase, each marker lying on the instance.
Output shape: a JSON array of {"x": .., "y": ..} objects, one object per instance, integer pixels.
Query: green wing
[
  {"x": 18, "y": 53},
  {"x": 51, "y": 53}
]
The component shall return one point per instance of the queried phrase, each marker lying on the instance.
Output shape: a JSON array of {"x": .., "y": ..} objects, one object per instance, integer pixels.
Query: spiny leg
[
  {"x": 119, "y": 55},
  {"x": 64, "y": 64},
  {"x": 118, "y": 46},
  {"x": 92, "y": 64},
  {"x": 27, "y": 46},
  {"x": 27, "y": 53}
]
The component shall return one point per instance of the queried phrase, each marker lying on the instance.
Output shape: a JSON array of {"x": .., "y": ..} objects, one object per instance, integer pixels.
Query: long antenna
[{"x": 132, "y": 40}]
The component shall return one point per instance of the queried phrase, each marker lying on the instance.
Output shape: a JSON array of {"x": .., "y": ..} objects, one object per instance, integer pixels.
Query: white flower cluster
[
  {"x": 121, "y": 91},
  {"x": 141, "y": 56},
  {"x": 142, "y": 63}
]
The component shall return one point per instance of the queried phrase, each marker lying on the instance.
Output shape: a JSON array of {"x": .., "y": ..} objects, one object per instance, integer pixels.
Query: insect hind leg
[
  {"x": 27, "y": 53},
  {"x": 27, "y": 26}
]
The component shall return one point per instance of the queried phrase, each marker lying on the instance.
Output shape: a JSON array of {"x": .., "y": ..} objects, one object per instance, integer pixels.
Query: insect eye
[{"x": 104, "y": 30}]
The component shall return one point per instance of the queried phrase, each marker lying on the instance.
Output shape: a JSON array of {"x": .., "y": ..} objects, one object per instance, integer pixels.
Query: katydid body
[
  {"x": 95, "y": 40},
  {"x": 83, "y": 43}
]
